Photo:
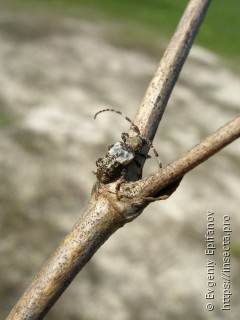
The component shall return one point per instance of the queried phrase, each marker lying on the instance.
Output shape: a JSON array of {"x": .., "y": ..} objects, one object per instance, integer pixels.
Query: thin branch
[
  {"x": 151, "y": 186},
  {"x": 93, "y": 228},
  {"x": 105, "y": 213},
  {"x": 156, "y": 97},
  {"x": 103, "y": 216}
]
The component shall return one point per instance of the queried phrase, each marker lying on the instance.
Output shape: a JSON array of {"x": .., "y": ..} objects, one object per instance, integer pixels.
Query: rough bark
[{"x": 106, "y": 212}]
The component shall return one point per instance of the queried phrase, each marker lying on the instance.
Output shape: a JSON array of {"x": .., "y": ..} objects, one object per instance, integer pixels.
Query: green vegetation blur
[{"x": 151, "y": 18}]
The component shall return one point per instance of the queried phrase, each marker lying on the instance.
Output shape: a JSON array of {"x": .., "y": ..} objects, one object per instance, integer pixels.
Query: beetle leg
[
  {"x": 120, "y": 181},
  {"x": 125, "y": 136}
]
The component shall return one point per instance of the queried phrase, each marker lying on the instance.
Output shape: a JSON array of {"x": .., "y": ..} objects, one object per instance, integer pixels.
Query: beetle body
[
  {"x": 113, "y": 165},
  {"x": 118, "y": 157}
]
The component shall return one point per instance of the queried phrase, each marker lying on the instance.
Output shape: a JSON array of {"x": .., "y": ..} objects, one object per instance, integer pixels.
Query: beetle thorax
[{"x": 135, "y": 143}]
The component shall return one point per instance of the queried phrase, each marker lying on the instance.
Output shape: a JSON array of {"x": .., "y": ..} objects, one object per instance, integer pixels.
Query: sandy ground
[{"x": 54, "y": 75}]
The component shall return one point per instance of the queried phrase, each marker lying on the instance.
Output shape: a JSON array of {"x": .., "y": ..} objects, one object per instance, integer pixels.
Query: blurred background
[{"x": 61, "y": 62}]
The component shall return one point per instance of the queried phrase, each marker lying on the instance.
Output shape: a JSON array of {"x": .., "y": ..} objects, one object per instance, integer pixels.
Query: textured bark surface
[{"x": 105, "y": 213}]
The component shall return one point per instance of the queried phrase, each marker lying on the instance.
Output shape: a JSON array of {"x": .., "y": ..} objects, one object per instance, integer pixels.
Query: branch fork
[
  {"x": 105, "y": 213},
  {"x": 136, "y": 195}
]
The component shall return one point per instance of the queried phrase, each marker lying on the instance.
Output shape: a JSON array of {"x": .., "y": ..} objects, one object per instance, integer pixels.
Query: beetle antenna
[{"x": 135, "y": 128}]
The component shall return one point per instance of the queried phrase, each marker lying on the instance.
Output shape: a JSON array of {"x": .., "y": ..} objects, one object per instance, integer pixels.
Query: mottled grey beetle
[{"x": 120, "y": 154}]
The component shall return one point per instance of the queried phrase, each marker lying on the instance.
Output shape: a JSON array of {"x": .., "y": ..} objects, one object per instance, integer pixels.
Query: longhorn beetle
[{"x": 113, "y": 165}]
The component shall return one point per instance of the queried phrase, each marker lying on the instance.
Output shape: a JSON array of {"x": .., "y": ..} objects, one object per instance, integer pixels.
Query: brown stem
[
  {"x": 105, "y": 213},
  {"x": 93, "y": 228},
  {"x": 156, "y": 97},
  {"x": 153, "y": 184}
]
